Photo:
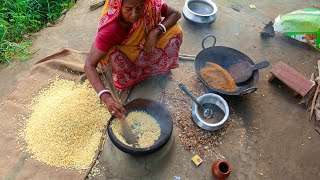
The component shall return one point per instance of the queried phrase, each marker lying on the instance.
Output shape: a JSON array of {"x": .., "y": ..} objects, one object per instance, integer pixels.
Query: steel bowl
[
  {"x": 200, "y": 11},
  {"x": 217, "y": 100}
]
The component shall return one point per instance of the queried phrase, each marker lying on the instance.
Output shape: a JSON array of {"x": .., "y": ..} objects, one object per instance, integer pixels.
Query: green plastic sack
[{"x": 302, "y": 25}]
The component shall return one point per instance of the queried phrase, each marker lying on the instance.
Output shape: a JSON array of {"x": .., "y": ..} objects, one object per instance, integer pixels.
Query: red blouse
[{"x": 114, "y": 34}]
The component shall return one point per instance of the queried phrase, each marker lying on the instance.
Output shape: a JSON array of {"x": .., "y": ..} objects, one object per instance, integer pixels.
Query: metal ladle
[{"x": 207, "y": 113}]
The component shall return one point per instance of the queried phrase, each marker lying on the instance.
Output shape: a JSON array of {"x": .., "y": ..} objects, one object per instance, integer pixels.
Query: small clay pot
[{"x": 221, "y": 169}]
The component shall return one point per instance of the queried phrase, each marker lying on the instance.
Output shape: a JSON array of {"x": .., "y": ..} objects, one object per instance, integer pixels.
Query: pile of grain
[
  {"x": 95, "y": 171},
  {"x": 217, "y": 77},
  {"x": 143, "y": 126},
  {"x": 65, "y": 126}
]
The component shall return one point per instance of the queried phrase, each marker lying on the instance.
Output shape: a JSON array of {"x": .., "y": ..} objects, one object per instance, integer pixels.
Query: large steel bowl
[{"x": 200, "y": 11}]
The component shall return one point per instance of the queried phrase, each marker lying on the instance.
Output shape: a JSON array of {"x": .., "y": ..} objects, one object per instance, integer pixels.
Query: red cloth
[
  {"x": 164, "y": 9},
  {"x": 114, "y": 34},
  {"x": 109, "y": 36}
]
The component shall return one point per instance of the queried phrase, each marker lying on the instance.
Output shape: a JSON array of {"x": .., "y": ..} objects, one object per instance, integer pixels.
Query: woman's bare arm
[
  {"x": 90, "y": 66},
  {"x": 171, "y": 17}
]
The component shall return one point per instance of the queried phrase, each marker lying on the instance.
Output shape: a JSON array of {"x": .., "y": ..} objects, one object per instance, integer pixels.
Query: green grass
[{"x": 22, "y": 17}]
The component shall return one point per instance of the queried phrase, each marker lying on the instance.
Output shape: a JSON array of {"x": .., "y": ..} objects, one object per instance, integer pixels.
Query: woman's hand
[
  {"x": 151, "y": 41},
  {"x": 114, "y": 108}
]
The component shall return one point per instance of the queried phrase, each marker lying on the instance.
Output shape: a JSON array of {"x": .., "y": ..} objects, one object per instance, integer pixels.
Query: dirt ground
[{"x": 270, "y": 136}]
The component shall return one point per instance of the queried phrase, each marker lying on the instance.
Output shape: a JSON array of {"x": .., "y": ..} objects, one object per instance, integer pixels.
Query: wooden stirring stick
[{"x": 127, "y": 133}]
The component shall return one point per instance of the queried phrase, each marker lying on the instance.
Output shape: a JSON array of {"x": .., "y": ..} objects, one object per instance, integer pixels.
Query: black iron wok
[
  {"x": 157, "y": 111},
  {"x": 225, "y": 57}
]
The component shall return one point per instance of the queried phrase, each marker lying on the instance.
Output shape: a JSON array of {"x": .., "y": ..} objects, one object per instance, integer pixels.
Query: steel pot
[
  {"x": 200, "y": 11},
  {"x": 217, "y": 100}
]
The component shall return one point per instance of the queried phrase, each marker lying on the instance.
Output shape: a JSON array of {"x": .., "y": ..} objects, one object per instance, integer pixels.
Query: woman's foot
[
  {"x": 164, "y": 78},
  {"x": 169, "y": 74}
]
